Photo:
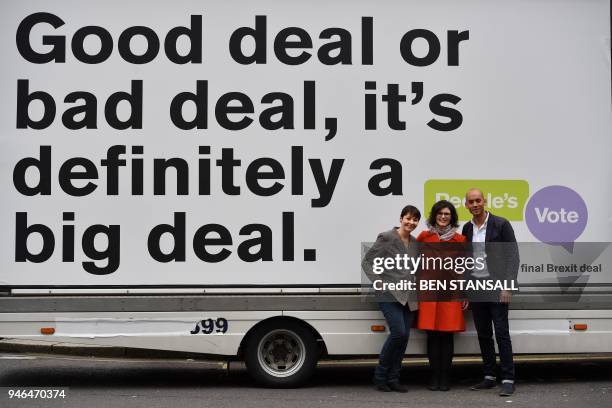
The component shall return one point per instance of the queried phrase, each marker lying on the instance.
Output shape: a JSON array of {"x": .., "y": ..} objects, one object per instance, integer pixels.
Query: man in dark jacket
[{"x": 502, "y": 263}]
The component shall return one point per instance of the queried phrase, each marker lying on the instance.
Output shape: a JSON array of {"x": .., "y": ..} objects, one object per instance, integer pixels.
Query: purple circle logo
[{"x": 556, "y": 215}]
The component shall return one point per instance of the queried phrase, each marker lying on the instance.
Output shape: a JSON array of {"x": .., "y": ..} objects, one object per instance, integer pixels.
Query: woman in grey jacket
[{"x": 398, "y": 311}]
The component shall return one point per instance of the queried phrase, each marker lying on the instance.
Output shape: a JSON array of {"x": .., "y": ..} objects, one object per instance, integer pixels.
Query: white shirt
[{"x": 478, "y": 236}]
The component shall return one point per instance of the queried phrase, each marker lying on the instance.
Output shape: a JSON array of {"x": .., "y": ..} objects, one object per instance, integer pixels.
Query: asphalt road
[{"x": 93, "y": 383}]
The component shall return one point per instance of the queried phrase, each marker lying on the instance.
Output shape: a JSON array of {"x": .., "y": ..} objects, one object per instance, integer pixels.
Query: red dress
[{"x": 440, "y": 316}]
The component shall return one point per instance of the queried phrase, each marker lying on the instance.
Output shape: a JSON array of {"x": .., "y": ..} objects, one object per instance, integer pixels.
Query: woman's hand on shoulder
[{"x": 422, "y": 236}]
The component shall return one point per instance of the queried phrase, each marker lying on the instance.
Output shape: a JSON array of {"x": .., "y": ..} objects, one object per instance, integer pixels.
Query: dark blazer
[{"x": 502, "y": 259}]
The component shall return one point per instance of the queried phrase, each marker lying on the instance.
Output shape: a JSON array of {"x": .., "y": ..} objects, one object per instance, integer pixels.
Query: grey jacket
[{"x": 388, "y": 245}]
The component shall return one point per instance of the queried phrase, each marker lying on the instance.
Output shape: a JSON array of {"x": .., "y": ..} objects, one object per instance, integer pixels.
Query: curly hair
[{"x": 437, "y": 207}]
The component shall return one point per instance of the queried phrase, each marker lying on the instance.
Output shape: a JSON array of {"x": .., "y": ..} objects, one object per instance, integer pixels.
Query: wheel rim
[{"x": 281, "y": 353}]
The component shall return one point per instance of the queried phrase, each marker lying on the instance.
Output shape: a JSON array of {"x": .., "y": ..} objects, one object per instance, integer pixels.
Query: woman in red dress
[{"x": 441, "y": 319}]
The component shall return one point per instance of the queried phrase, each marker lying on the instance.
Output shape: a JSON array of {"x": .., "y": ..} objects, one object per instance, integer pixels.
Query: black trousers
[
  {"x": 440, "y": 350},
  {"x": 489, "y": 315}
]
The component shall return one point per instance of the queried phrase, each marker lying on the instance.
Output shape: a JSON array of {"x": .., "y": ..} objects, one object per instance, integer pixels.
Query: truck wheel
[{"x": 281, "y": 354}]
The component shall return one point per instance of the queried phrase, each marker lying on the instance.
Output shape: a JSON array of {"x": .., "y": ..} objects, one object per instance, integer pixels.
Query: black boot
[
  {"x": 434, "y": 381},
  {"x": 433, "y": 354},
  {"x": 446, "y": 360},
  {"x": 444, "y": 380}
]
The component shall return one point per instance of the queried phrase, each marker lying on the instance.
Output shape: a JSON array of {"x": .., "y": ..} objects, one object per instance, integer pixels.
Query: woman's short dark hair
[
  {"x": 437, "y": 207},
  {"x": 411, "y": 210}
]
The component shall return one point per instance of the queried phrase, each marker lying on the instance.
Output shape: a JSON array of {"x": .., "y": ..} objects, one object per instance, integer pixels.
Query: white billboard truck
[{"x": 202, "y": 176}]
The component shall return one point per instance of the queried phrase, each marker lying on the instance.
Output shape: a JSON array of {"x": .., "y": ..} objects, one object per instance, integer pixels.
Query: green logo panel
[{"x": 506, "y": 198}]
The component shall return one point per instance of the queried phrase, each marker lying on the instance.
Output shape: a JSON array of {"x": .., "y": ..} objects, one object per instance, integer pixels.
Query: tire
[{"x": 281, "y": 354}]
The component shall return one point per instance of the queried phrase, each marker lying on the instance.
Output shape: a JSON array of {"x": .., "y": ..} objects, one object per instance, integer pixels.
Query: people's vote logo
[{"x": 556, "y": 215}]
